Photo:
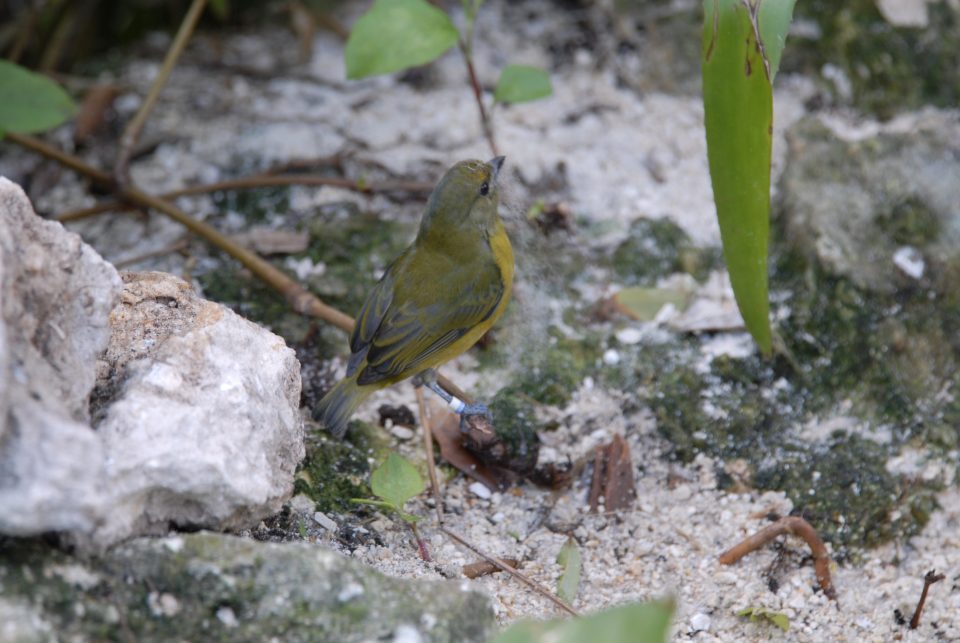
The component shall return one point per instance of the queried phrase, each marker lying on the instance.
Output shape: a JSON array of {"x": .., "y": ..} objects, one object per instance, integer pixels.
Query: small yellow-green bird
[{"x": 435, "y": 300}]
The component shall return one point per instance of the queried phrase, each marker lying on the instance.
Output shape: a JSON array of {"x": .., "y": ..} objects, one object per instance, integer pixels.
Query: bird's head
[{"x": 467, "y": 196}]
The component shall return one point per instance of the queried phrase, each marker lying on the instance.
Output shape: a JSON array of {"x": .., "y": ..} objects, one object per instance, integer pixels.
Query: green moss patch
[
  {"x": 335, "y": 471},
  {"x": 656, "y": 248}
]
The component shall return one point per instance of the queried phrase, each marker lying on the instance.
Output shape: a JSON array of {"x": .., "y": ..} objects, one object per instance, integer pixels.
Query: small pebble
[
  {"x": 401, "y": 432},
  {"x": 302, "y": 504},
  {"x": 629, "y": 336},
  {"x": 611, "y": 357},
  {"x": 726, "y": 578},
  {"x": 909, "y": 260},
  {"x": 497, "y": 517},
  {"x": 699, "y": 622},
  {"x": 350, "y": 591},
  {"x": 226, "y": 616},
  {"x": 480, "y": 490},
  {"x": 321, "y": 519}
]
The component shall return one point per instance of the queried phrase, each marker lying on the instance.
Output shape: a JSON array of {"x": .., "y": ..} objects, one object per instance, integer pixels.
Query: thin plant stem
[
  {"x": 929, "y": 579},
  {"x": 426, "y": 426},
  {"x": 421, "y": 543},
  {"x": 478, "y": 95},
  {"x": 503, "y": 566},
  {"x": 132, "y": 132}
]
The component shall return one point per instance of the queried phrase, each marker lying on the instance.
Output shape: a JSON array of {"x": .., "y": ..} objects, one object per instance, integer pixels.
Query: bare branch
[
  {"x": 132, "y": 133},
  {"x": 259, "y": 181}
]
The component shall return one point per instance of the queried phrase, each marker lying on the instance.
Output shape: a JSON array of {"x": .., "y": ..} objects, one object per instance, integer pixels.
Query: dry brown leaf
[
  {"x": 484, "y": 568},
  {"x": 612, "y": 477},
  {"x": 446, "y": 431}
]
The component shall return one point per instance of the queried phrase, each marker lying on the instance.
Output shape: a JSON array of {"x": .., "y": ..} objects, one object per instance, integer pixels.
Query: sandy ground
[{"x": 669, "y": 543}]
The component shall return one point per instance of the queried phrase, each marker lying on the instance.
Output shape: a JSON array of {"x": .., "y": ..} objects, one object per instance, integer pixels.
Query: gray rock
[
  {"x": 195, "y": 411},
  {"x": 852, "y": 200},
  {"x": 56, "y": 295},
  {"x": 217, "y": 587},
  {"x": 222, "y": 397}
]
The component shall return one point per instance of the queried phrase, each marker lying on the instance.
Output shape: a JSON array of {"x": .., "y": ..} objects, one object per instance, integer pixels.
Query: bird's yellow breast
[{"x": 503, "y": 257}]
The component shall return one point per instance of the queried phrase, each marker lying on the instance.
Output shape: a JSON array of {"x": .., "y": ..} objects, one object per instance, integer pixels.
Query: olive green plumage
[{"x": 437, "y": 298}]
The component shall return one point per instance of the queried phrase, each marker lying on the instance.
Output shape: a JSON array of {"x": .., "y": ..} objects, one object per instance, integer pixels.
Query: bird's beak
[{"x": 496, "y": 163}]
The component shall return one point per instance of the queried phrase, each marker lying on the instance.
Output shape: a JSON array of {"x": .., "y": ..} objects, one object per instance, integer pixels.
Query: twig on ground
[
  {"x": 504, "y": 566},
  {"x": 425, "y": 425},
  {"x": 929, "y": 579},
  {"x": 299, "y": 298},
  {"x": 258, "y": 181},
  {"x": 796, "y": 526},
  {"x": 133, "y": 129}
]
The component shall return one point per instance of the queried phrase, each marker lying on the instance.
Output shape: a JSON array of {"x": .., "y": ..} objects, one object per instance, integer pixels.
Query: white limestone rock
[
  {"x": 55, "y": 297},
  {"x": 198, "y": 412}
]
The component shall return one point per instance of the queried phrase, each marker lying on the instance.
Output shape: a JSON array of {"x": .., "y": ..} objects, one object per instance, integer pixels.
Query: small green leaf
[
  {"x": 569, "y": 581},
  {"x": 635, "y": 623},
  {"x": 30, "y": 102},
  {"x": 763, "y": 614},
  {"x": 643, "y": 304},
  {"x": 397, "y": 34},
  {"x": 520, "y": 83},
  {"x": 396, "y": 481}
]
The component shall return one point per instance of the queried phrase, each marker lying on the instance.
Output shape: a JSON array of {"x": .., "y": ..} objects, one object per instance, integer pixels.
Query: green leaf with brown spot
[{"x": 738, "y": 114}]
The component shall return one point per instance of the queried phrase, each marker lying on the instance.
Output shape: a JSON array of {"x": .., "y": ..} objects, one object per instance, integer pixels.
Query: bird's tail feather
[{"x": 336, "y": 407}]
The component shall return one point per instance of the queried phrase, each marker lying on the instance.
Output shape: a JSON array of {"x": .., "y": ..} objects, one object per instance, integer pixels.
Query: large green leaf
[
  {"x": 520, "y": 83},
  {"x": 635, "y": 623},
  {"x": 397, "y": 34},
  {"x": 738, "y": 113},
  {"x": 30, "y": 102},
  {"x": 396, "y": 481}
]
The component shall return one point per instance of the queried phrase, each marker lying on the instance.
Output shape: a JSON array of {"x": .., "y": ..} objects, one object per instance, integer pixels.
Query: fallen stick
[
  {"x": 796, "y": 526},
  {"x": 505, "y": 567}
]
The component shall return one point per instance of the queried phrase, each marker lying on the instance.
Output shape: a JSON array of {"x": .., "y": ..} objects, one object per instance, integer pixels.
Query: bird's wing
[
  {"x": 410, "y": 334},
  {"x": 369, "y": 319}
]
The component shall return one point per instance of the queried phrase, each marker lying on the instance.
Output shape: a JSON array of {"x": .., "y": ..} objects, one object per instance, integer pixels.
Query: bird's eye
[{"x": 484, "y": 188}]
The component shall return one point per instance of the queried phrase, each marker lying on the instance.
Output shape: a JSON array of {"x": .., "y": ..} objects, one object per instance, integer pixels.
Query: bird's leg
[{"x": 428, "y": 378}]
